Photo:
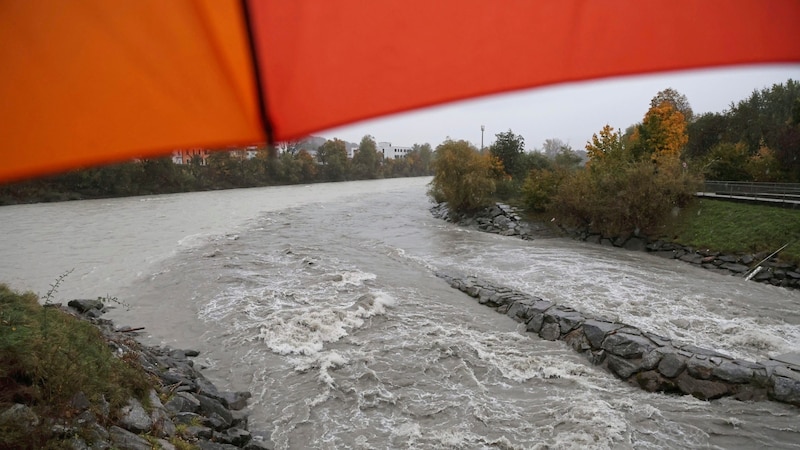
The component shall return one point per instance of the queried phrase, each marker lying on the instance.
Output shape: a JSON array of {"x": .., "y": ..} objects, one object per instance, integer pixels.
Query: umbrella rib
[{"x": 266, "y": 122}]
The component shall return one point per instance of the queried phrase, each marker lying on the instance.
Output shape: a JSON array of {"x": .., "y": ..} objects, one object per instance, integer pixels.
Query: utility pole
[{"x": 482, "y": 129}]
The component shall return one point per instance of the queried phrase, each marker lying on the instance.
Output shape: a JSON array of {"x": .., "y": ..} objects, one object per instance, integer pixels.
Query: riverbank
[
  {"x": 760, "y": 267},
  {"x": 171, "y": 404}
]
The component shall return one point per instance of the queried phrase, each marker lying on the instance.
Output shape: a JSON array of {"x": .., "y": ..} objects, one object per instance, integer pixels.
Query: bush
[
  {"x": 540, "y": 187},
  {"x": 635, "y": 199},
  {"x": 462, "y": 177}
]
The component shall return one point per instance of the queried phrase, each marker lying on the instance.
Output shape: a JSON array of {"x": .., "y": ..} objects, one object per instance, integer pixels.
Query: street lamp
[{"x": 482, "y": 129}]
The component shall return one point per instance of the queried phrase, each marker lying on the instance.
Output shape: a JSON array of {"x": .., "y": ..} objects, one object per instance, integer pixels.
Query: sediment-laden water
[{"x": 322, "y": 301}]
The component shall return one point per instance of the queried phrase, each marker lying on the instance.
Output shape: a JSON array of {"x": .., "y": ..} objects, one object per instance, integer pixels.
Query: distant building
[
  {"x": 352, "y": 149},
  {"x": 185, "y": 156},
  {"x": 390, "y": 151}
]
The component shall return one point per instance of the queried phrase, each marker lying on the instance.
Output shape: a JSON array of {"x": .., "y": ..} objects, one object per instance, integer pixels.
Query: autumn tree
[
  {"x": 763, "y": 166},
  {"x": 308, "y": 167},
  {"x": 676, "y": 99},
  {"x": 462, "y": 176},
  {"x": 662, "y": 134},
  {"x": 606, "y": 148}
]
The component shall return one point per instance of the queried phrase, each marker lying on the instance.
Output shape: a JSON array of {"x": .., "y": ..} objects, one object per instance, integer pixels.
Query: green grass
[
  {"x": 737, "y": 228},
  {"x": 46, "y": 357}
]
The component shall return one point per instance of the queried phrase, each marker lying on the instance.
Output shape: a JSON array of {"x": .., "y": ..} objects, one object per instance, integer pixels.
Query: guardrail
[{"x": 776, "y": 194}]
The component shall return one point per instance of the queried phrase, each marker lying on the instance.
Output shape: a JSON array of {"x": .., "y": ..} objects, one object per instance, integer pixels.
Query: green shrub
[{"x": 540, "y": 187}]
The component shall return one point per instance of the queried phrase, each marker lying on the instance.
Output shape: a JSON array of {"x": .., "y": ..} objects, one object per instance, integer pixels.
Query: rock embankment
[
  {"x": 183, "y": 406},
  {"x": 499, "y": 219},
  {"x": 505, "y": 220},
  {"x": 652, "y": 362}
]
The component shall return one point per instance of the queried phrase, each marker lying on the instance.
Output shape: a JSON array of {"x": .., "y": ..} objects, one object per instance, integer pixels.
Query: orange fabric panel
[
  {"x": 92, "y": 81},
  {"x": 327, "y": 63}
]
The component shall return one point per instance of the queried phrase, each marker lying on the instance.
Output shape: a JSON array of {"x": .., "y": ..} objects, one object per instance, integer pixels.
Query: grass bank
[
  {"x": 732, "y": 227},
  {"x": 47, "y": 357}
]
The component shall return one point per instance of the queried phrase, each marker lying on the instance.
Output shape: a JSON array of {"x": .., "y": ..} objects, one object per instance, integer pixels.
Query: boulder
[
  {"x": 786, "y": 390},
  {"x": 702, "y": 389},
  {"x": 596, "y": 331},
  {"x": 125, "y": 440},
  {"x": 636, "y": 244},
  {"x": 210, "y": 406},
  {"x": 233, "y": 436},
  {"x": 236, "y": 400},
  {"x": 20, "y": 416},
  {"x": 671, "y": 365},
  {"x": 85, "y": 305},
  {"x": 182, "y": 402},
  {"x": 627, "y": 345},
  {"x": 623, "y": 367},
  {"x": 737, "y": 268},
  {"x": 567, "y": 320},
  {"x": 732, "y": 372},
  {"x": 550, "y": 331},
  {"x": 134, "y": 417}
]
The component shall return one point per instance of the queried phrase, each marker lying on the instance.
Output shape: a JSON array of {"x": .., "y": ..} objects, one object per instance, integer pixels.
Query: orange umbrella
[{"x": 93, "y": 81}]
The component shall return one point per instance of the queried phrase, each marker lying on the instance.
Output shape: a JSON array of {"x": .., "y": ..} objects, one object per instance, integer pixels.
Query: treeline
[
  {"x": 221, "y": 170},
  {"x": 756, "y": 139},
  {"x": 633, "y": 180}
]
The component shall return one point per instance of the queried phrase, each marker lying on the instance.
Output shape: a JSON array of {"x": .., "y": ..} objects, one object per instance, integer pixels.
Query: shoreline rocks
[
  {"x": 505, "y": 220},
  {"x": 651, "y": 362},
  {"x": 183, "y": 404}
]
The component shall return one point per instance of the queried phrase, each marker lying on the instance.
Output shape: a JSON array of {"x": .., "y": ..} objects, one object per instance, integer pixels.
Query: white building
[{"x": 390, "y": 151}]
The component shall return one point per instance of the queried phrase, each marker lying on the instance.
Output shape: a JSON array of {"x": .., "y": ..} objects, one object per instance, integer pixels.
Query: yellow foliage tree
[
  {"x": 662, "y": 134},
  {"x": 463, "y": 177},
  {"x": 605, "y": 148},
  {"x": 764, "y": 166}
]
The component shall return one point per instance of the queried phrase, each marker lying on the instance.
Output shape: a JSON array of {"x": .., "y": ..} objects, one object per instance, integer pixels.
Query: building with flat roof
[{"x": 390, "y": 151}]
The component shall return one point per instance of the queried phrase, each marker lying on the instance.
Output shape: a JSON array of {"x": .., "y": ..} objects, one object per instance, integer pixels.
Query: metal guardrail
[{"x": 776, "y": 194}]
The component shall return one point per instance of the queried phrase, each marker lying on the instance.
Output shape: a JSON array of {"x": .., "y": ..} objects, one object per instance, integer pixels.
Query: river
[{"x": 322, "y": 301}]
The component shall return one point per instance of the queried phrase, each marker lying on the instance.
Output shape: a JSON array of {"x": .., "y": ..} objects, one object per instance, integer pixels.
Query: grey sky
[{"x": 571, "y": 112}]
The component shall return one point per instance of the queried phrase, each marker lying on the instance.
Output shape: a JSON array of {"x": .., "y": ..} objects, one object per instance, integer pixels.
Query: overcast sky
[{"x": 571, "y": 112}]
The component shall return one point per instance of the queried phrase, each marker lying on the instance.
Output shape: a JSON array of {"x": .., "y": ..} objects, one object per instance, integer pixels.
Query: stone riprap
[
  {"x": 500, "y": 219},
  {"x": 505, "y": 220},
  {"x": 652, "y": 362},
  {"x": 193, "y": 409}
]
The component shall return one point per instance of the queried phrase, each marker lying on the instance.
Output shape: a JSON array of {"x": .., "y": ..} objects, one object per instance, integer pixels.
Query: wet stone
[
  {"x": 700, "y": 368},
  {"x": 535, "y": 324},
  {"x": 596, "y": 331},
  {"x": 85, "y": 305},
  {"x": 730, "y": 371},
  {"x": 567, "y": 320},
  {"x": 550, "y": 331},
  {"x": 623, "y": 367},
  {"x": 627, "y": 345},
  {"x": 737, "y": 268},
  {"x": 702, "y": 389},
  {"x": 786, "y": 390},
  {"x": 135, "y": 418},
  {"x": 671, "y": 365}
]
